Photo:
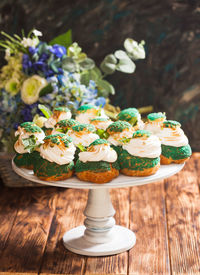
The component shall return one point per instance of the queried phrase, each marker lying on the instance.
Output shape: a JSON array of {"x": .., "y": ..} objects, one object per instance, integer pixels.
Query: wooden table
[{"x": 165, "y": 217}]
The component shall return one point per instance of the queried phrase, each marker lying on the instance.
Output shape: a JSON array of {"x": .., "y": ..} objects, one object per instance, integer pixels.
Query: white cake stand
[{"x": 99, "y": 236}]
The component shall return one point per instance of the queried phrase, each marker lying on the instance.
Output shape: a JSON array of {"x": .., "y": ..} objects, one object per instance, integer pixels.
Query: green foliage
[
  {"x": 64, "y": 39},
  {"x": 102, "y": 133},
  {"x": 29, "y": 143},
  {"x": 46, "y": 90},
  {"x": 81, "y": 147},
  {"x": 104, "y": 88},
  {"x": 46, "y": 112},
  {"x": 108, "y": 65},
  {"x": 68, "y": 64}
]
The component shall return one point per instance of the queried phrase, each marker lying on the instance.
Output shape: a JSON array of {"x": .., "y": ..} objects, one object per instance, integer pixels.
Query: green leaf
[
  {"x": 29, "y": 143},
  {"x": 64, "y": 39},
  {"x": 47, "y": 113},
  {"x": 125, "y": 140},
  {"x": 126, "y": 66},
  {"x": 86, "y": 76},
  {"x": 60, "y": 130},
  {"x": 102, "y": 133},
  {"x": 104, "y": 88},
  {"x": 81, "y": 147},
  {"x": 46, "y": 90},
  {"x": 87, "y": 64},
  {"x": 68, "y": 64},
  {"x": 121, "y": 54}
]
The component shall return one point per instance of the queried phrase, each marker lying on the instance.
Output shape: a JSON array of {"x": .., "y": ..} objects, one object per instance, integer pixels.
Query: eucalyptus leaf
[
  {"x": 108, "y": 65},
  {"x": 64, "y": 39},
  {"x": 68, "y": 64},
  {"x": 121, "y": 54},
  {"x": 87, "y": 64},
  {"x": 126, "y": 66},
  {"x": 47, "y": 113},
  {"x": 46, "y": 90},
  {"x": 104, "y": 88},
  {"x": 86, "y": 76}
]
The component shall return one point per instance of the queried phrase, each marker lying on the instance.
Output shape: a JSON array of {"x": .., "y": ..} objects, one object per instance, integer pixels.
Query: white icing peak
[
  {"x": 115, "y": 138},
  {"x": 148, "y": 147},
  {"x": 21, "y": 132},
  {"x": 56, "y": 117},
  {"x": 173, "y": 137},
  {"x": 101, "y": 152},
  {"x": 89, "y": 114},
  {"x": 101, "y": 124},
  {"x": 58, "y": 154},
  {"x": 83, "y": 138}
]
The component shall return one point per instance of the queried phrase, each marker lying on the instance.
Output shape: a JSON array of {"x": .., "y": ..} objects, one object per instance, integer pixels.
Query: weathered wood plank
[
  {"x": 148, "y": 221},
  {"x": 27, "y": 240},
  {"x": 183, "y": 216},
  {"x": 69, "y": 214},
  {"x": 8, "y": 212},
  {"x": 117, "y": 264}
]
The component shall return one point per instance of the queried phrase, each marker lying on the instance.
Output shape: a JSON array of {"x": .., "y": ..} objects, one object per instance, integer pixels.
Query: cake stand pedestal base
[
  {"x": 123, "y": 240},
  {"x": 100, "y": 236}
]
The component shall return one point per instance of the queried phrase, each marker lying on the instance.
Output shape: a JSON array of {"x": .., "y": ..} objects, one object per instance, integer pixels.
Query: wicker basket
[{"x": 9, "y": 177}]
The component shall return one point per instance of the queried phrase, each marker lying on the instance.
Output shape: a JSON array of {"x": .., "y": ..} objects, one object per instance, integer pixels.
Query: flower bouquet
[{"x": 40, "y": 75}]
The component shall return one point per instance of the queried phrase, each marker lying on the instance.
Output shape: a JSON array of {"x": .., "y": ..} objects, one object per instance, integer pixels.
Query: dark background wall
[{"x": 169, "y": 77}]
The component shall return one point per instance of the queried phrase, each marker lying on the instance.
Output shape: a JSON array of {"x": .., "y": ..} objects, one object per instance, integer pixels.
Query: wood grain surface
[{"x": 165, "y": 217}]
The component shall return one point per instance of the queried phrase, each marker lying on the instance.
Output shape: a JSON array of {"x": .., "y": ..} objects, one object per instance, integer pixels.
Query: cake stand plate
[{"x": 99, "y": 236}]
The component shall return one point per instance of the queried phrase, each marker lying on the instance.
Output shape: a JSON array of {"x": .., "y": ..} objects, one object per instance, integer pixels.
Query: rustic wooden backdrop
[{"x": 167, "y": 79}]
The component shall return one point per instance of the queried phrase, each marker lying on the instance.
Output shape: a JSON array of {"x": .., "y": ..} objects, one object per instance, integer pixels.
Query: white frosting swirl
[
  {"x": 60, "y": 155},
  {"x": 172, "y": 137},
  {"x": 154, "y": 127},
  {"x": 144, "y": 148},
  {"x": 19, "y": 146},
  {"x": 84, "y": 138},
  {"x": 85, "y": 117},
  {"x": 101, "y": 124},
  {"x": 101, "y": 152},
  {"x": 140, "y": 124},
  {"x": 51, "y": 122},
  {"x": 115, "y": 138}
]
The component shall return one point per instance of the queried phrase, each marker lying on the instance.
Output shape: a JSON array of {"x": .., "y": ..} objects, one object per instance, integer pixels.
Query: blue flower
[
  {"x": 58, "y": 50},
  {"x": 101, "y": 101},
  {"x": 32, "y": 50}
]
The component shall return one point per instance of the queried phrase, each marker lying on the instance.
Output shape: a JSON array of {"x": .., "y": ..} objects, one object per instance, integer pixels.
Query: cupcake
[
  {"x": 87, "y": 112},
  {"x": 175, "y": 147},
  {"x": 132, "y": 116},
  {"x": 82, "y": 135},
  {"x": 140, "y": 155},
  {"x": 56, "y": 158},
  {"x": 118, "y": 131},
  {"x": 154, "y": 122},
  {"x": 59, "y": 113},
  {"x": 64, "y": 126},
  {"x": 29, "y": 137},
  {"x": 98, "y": 164}
]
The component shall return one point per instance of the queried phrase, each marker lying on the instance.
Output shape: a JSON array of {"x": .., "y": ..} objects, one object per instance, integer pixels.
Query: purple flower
[
  {"x": 58, "y": 50},
  {"x": 32, "y": 50}
]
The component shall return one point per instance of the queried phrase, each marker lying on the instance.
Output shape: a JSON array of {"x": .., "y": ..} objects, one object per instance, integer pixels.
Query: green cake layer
[
  {"x": 95, "y": 166},
  {"x": 176, "y": 153},
  {"x": 136, "y": 163}
]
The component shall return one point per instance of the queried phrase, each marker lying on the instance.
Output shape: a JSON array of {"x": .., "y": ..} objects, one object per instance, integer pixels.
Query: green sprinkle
[
  {"x": 57, "y": 138},
  {"x": 67, "y": 123},
  {"x": 155, "y": 116},
  {"x": 176, "y": 153},
  {"x": 141, "y": 133},
  {"x": 128, "y": 114},
  {"x": 84, "y": 127},
  {"x": 118, "y": 126},
  {"x": 61, "y": 109},
  {"x": 171, "y": 124},
  {"x": 24, "y": 124},
  {"x": 84, "y": 108},
  {"x": 32, "y": 128},
  {"x": 98, "y": 142}
]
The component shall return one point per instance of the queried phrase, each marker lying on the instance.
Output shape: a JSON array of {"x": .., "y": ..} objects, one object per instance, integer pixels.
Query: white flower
[
  {"x": 37, "y": 33},
  {"x": 7, "y": 54},
  {"x": 31, "y": 88},
  {"x": 28, "y": 42},
  {"x": 134, "y": 49},
  {"x": 12, "y": 86}
]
